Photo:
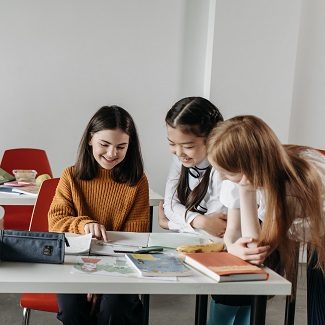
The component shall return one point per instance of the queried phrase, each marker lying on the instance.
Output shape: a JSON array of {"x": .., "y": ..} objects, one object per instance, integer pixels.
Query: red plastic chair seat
[{"x": 39, "y": 301}]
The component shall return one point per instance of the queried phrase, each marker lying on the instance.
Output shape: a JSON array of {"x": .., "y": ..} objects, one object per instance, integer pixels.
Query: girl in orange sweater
[{"x": 105, "y": 190}]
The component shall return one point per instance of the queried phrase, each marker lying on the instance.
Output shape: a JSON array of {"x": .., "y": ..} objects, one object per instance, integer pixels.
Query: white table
[
  {"x": 16, "y": 199},
  {"x": 30, "y": 277}
]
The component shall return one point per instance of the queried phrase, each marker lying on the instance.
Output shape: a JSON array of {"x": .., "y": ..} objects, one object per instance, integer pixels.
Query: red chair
[
  {"x": 18, "y": 217},
  {"x": 39, "y": 222}
]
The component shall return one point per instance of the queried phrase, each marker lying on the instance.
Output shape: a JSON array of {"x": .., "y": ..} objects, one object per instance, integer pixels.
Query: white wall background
[
  {"x": 308, "y": 110},
  {"x": 254, "y": 59},
  {"x": 62, "y": 60}
]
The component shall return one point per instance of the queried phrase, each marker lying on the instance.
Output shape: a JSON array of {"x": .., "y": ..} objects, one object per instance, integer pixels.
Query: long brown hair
[
  {"x": 130, "y": 170},
  {"x": 193, "y": 115},
  {"x": 292, "y": 186}
]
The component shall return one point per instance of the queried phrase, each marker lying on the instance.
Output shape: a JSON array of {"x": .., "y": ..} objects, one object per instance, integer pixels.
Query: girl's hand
[
  {"x": 246, "y": 249},
  {"x": 213, "y": 223},
  {"x": 98, "y": 230},
  {"x": 162, "y": 219}
]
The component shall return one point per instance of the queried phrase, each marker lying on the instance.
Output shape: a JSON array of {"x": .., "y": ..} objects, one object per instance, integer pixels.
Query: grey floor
[{"x": 164, "y": 309}]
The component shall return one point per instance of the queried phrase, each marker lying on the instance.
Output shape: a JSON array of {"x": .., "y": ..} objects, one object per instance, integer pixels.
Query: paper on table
[
  {"x": 31, "y": 190},
  {"x": 99, "y": 247},
  {"x": 128, "y": 242},
  {"x": 104, "y": 265},
  {"x": 109, "y": 266},
  {"x": 78, "y": 244},
  {"x": 119, "y": 242},
  {"x": 125, "y": 242},
  {"x": 124, "y": 238},
  {"x": 173, "y": 240}
]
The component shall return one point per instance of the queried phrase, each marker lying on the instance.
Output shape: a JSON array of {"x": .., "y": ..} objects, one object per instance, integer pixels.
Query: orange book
[{"x": 224, "y": 267}]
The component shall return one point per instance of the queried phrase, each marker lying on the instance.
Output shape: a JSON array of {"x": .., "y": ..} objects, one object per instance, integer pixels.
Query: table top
[
  {"x": 21, "y": 199},
  {"x": 57, "y": 278}
]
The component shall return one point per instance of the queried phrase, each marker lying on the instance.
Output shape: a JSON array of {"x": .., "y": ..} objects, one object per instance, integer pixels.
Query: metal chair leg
[
  {"x": 26, "y": 316},
  {"x": 201, "y": 305},
  {"x": 145, "y": 298},
  {"x": 290, "y": 308}
]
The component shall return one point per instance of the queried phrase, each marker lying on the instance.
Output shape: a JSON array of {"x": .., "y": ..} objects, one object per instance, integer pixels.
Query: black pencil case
[{"x": 31, "y": 246}]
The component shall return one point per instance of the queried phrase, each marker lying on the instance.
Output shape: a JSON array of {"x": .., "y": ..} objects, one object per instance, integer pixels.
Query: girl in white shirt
[
  {"x": 192, "y": 196},
  {"x": 191, "y": 202},
  {"x": 289, "y": 181}
]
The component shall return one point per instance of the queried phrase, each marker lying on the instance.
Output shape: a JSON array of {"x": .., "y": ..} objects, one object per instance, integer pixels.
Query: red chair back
[
  {"x": 18, "y": 217},
  {"x": 26, "y": 158},
  {"x": 39, "y": 220}
]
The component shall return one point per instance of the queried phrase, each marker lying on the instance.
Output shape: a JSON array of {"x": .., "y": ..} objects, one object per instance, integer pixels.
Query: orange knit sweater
[{"x": 117, "y": 206}]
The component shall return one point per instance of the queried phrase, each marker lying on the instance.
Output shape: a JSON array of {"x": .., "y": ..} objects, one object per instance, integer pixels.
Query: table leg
[
  {"x": 151, "y": 218},
  {"x": 258, "y": 310},
  {"x": 289, "y": 318},
  {"x": 201, "y": 306}
]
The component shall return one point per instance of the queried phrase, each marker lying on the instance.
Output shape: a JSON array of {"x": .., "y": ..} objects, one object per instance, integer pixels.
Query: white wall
[
  {"x": 194, "y": 48},
  {"x": 62, "y": 60},
  {"x": 254, "y": 59},
  {"x": 308, "y": 110}
]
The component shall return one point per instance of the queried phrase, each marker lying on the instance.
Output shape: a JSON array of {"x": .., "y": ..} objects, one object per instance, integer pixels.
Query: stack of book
[{"x": 224, "y": 267}]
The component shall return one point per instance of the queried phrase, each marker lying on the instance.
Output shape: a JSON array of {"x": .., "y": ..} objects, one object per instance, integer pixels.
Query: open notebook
[{"x": 128, "y": 242}]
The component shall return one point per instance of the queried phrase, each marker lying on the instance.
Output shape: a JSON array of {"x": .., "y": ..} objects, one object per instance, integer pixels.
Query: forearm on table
[{"x": 231, "y": 235}]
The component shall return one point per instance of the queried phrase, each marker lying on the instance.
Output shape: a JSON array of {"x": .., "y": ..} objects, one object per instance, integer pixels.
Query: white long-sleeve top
[
  {"x": 176, "y": 211},
  {"x": 229, "y": 196}
]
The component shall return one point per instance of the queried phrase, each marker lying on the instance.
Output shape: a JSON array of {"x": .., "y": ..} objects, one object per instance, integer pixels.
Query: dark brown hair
[{"x": 130, "y": 169}]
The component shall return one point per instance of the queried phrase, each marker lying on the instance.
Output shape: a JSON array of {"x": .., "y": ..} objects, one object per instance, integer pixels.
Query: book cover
[
  {"x": 7, "y": 189},
  {"x": 5, "y": 177},
  {"x": 17, "y": 184},
  {"x": 158, "y": 265},
  {"x": 224, "y": 267}
]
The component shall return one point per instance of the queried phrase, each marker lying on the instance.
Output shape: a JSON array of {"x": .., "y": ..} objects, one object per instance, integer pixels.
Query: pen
[{"x": 150, "y": 249}]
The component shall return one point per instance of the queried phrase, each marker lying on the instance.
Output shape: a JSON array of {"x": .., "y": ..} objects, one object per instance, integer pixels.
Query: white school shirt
[
  {"x": 175, "y": 211},
  {"x": 229, "y": 196}
]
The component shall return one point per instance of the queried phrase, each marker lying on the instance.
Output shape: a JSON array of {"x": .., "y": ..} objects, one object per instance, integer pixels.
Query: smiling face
[
  {"x": 109, "y": 147},
  {"x": 189, "y": 148}
]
